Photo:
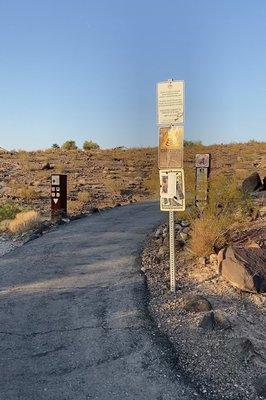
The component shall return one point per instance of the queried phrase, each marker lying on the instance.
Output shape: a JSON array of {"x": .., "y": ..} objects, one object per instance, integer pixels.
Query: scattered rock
[
  {"x": 244, "y": 268},
  {"x": 47, "y": 166},
  {"x": 207, "y": 321},
  {"x": 183, "y": 236},
  {"x": 221, "y": 321},
  {"x": 198, "y": 304},
  {"x": 213, "y": 259},
  {"x": 162, "y": 251},
  {"x": 178, "y": 227},
  {"x": 215, "y": 320},
  {"x": 186, "y": 230},
  {"x": 260, "y": 386},
  {"x": 201, "y": 262},
  {"x": 251, "y": 183},
  {"x": 184, "y": 224}
]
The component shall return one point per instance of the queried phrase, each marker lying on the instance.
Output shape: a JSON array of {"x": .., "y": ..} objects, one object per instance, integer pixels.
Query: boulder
[
  {"x": 215, "y": 320},
  {"x": 244, "y": 268},
  {"x": 47, "y": 166},
  {"x": 197, "y": 304},
  {"x": 251, "y": 183}
]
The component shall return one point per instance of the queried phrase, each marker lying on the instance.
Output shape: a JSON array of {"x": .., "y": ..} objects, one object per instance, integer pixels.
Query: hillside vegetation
[{"x": 105, "y": 178}]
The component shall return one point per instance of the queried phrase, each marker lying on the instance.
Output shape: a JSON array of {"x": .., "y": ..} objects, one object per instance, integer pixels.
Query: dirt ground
[{"x": 228, "y": 361}]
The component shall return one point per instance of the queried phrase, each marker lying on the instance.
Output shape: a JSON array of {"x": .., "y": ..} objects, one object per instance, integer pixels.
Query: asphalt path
[{"x": 73, "y": 315}]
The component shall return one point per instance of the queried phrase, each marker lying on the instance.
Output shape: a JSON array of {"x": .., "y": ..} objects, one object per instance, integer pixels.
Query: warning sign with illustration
[
  {"x": 171, "y": 147},
  {"x": 202, "y": 161},
  {"x": 172, "y": 190}
]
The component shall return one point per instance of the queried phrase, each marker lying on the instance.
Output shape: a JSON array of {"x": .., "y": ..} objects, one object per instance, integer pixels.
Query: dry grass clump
[
  {"x": 24, "y": 221},
  {"x": 74, "y": 206},
  {"x": 228, "y": 207},
  {"x": 84, "y": 196}
]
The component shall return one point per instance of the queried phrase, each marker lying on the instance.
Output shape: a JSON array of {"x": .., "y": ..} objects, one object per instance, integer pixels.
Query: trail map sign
[
  {"x": 58, "y": 196},
  {"x": 172, "y": 190},
  {"x": 170, "y": 102},
  {"x": 171, "y": 147}
]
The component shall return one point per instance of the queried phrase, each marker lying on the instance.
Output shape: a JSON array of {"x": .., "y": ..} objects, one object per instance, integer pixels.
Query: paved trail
[{"x": 73, "y": 317}]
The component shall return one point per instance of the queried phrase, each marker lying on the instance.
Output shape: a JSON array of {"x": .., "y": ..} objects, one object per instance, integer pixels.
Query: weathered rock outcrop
[
  {"x": 251, "y": 183},
  {"x": 244, "y": 268}
]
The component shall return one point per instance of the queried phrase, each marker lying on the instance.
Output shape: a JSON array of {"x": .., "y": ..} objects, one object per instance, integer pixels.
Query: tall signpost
[
  {"x": 170, "y": 121},
  {"x": 203, "y": 164}
]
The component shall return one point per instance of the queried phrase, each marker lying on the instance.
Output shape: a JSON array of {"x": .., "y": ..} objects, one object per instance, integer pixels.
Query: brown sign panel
[
  {"x": 202, "y": 160},
  {"x": 171, "y": 147},
  {"x": 58, "y": 196}
]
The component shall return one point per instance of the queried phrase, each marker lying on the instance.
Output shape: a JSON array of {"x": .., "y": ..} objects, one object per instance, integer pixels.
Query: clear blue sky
[{"x": 87, "y": 69}]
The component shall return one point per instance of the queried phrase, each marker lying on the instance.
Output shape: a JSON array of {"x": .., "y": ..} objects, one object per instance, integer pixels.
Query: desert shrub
[
  {"x": 8, "y": 211},
  {"x": 152, "y": 183},
  {"x": 84, "y": 196},
  {"x": 69, "y": 145},
  {"x": 114, "y": 185},
  {"x": 189, "y": 143},
  {"x": 27, "y": 193},
  {"x": 90, "y": 145},
  {"x": 74, "y": 206},
  {"x": 227, "y": 208},
  {"x": 24, "y": 221}
]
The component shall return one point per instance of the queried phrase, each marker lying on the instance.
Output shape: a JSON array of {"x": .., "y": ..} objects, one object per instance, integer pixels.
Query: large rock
[
  {"x": 244, "y": 268},
  {"x": 197, "y": 304},
  {"x": 251, "y": 183}
]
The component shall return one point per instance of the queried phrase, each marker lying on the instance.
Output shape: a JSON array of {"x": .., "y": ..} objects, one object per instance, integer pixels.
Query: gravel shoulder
[{"x": 226, "y": 362}]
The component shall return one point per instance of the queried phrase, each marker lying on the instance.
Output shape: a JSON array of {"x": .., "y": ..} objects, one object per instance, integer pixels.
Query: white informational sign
[
  {"x": 202, "y": 160},
  {"x": 55, "y": 180},
  {"x": 170, "y": 102},
  {"x": 172, "y": 190}
]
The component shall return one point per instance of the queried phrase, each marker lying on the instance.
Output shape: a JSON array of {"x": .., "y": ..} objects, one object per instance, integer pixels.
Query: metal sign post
[
  {"x": 170, "y": 119},
  {"x": 172, "y": 250},
  {"x": 202, "y": 163}
]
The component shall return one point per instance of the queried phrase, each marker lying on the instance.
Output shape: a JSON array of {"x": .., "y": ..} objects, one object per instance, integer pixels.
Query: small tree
[
  {"x": 55, "y": 146},
  {"x": 90, "y": 145},
  {"x": 69, "y": 145}
]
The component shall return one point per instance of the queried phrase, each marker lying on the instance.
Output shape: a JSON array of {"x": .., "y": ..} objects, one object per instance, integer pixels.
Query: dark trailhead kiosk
[{"x": 58, "y": 196}]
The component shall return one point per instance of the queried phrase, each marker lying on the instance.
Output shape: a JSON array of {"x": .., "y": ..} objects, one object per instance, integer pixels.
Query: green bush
[
  {"x": 69, "y": 145},
  {"x": 90, "y": 145},
  {"x": 8, "y": 211}
]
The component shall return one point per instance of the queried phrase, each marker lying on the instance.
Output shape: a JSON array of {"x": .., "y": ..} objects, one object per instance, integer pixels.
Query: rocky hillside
[{"x": 105, "y": 178}]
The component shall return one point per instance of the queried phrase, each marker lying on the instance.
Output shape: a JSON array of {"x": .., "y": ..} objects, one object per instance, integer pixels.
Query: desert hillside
[{"x": 105, "y": 178}]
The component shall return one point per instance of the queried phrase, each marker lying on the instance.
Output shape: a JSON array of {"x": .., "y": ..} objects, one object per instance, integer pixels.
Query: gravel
[{"x": 226, "y": 359}]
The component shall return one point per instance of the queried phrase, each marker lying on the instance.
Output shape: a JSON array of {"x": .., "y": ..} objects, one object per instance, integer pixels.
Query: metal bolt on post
[{"x": 172, "y": 251}]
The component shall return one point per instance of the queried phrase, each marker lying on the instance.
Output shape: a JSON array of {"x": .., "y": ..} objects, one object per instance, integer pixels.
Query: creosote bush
[
  {"x": 69, "y": 145},
  {"x": 8, "y": 211},
  {"x": 228, "y": 207},
  {"x": 90, "y": 145}
]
